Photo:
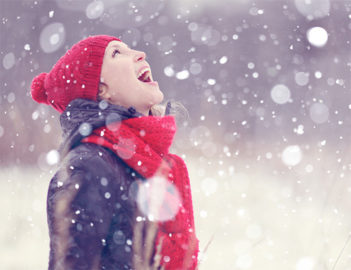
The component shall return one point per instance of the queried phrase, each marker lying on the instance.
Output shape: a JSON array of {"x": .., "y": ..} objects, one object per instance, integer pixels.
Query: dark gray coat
[{"x": 89, "y": 206}]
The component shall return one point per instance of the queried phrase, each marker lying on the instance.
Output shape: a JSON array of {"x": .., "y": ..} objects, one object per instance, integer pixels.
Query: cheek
[{"x": 125, "y": 76}]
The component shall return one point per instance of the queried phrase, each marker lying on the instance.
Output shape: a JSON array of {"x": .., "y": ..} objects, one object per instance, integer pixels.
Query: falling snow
[{"x": 267, "y": 88}]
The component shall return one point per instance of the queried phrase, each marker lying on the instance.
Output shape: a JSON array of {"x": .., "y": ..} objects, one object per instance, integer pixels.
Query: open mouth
[{"x": 145, "y": 76}]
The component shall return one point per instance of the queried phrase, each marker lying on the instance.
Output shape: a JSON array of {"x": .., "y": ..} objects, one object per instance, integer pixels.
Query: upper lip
[{"x": 142, "y": 70}]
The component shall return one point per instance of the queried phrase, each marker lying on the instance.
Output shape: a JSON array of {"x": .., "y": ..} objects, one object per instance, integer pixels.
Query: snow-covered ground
[{"x": 259, "y": 216}]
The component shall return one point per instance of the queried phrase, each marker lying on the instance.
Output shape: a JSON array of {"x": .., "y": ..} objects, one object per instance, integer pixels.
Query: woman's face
[{"x": 126, "y": 79}]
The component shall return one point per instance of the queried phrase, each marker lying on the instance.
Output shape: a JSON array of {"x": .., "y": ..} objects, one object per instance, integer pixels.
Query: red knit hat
[{"x": 75, "y": 75}]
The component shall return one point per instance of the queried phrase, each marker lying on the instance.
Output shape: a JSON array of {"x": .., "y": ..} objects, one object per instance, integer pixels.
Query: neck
[{"x": 146, "y": 112}]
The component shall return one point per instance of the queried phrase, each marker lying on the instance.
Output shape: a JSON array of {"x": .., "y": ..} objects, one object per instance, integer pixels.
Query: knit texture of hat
[{"x": 75, "y": 75}]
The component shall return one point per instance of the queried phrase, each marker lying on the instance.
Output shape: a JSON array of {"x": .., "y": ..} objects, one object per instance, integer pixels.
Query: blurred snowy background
[{"x": 268, "y": 88}]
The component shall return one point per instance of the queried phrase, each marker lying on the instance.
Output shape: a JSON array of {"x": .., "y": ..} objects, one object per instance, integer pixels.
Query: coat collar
[{"x": 82, "y": 116}]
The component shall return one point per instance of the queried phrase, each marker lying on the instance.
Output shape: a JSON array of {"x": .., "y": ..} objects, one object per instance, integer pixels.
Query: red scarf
[{"x": 143, "y": 144}]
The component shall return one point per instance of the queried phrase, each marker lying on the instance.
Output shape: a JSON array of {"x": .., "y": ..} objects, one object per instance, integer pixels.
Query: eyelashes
[{"x": 115, "y": 52}]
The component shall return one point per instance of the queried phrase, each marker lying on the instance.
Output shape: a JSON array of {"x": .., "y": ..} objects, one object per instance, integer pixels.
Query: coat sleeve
[
  {"x": 180, "y": 245},
  {"x": 79, "y": 206}
]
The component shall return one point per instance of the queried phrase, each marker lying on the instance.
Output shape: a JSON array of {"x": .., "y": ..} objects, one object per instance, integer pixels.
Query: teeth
[{"x": 142, "y": 72}]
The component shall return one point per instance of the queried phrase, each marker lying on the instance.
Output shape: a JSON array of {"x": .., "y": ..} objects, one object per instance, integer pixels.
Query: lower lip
[{"x": 152, "y": 83}]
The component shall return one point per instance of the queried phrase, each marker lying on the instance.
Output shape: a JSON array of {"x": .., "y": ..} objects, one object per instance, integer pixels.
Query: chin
[
  {"x": 156, "y": 98},
  {"x": 161, "y": 97}
]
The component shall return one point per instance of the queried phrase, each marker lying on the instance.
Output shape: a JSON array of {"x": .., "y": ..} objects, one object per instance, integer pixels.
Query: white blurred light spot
[
  {"x": 168, "y": 71},
  {"x": 113, "y": 121},
  {"x": 313, "y": 9},
  {"x": 30, "y": 148},
  {"x": 203, "y": 214},
  {"x": 158, "y": 199},
  {"x": 27, "y": 47},
  {"x": 318, "y": 74},
  {"x": 104, "y": 181},
  {"x": 241, "y": 212},
  {"x": 280, "y": 94},
  {"x": 107, "y": 195},
  {"x": 309, "y": 168},
  {"x": 306, "y": 263},
  {"x": 8, "y": 61},
  {"x": 317, "y": 36},
  {"x": 11, "y": 97},
  {"x": 209, "y": 186},
  {"x": 192, "y": 26},
  {"x": 94, "y": 10},
  {"x": 195, "y": 68},
  {"x": 126, "y": 149},
  {"x": 103, "y": 104},
  {"x": 223, "y": 60},
  {"x": 300, "y": 129},
  {"x": 35, "y": 115},
  {"x": 52, "y": 37},
  {"x": 302, "y": 78},
  {"x": 85, "y": 129},
  {"x": 165, "y": 43},
  {"x": 205, "y": 34},
  {"x": 52, "y": 157},
  {"x": 182, "y": 75},
  {"x": 319, "y": 113},
  {"x": 262, "y": 38},
  {"x": 211, "y": 81},
  {"x": 292, "y": 155}
]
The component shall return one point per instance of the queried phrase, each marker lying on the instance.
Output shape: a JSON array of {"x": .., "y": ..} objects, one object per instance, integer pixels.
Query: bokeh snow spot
[
  {"x": 319, "y": 113},
  {"x": 52, "y": 157},
  {"x": 317, "y": 36},
  {"x": 85, "y": 129},
  {"x": 52, "y": 37},
  {"x": 182, "y": 75},
  {"x": 8, "y": 61},
  {"x": 113, "y": 121},
  {"x": 158, "y": 199},
  {"x": 280, "y": 94},
  {"x": 292, "y": 155},
  {"x": 302, "y": 78},
  {"x": 94, "y": 10},
  {"x": 313, "y": 9}
]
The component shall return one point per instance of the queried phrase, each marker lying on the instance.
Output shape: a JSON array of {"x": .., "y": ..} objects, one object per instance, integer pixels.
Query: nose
[{"x": 139, "y": 56}]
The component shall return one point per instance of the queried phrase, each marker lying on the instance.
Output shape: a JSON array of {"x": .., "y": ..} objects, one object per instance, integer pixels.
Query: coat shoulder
[
  {"x": 94, "y": 163},
  {"x": 96, "y": 158}
]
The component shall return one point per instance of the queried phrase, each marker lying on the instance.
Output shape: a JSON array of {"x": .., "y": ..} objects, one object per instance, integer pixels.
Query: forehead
[{"x": 116, "y": 44}]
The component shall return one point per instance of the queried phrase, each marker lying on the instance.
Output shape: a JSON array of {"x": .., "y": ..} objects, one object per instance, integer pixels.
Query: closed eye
[{"x": 115, "y": 51}]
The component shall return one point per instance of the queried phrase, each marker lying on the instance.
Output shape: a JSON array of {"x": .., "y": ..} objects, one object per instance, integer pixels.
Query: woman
[{"x": 111, "y": 143}]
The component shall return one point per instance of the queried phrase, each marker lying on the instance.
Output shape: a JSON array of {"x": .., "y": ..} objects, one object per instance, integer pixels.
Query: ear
[{"x": 103, "y": 91}]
